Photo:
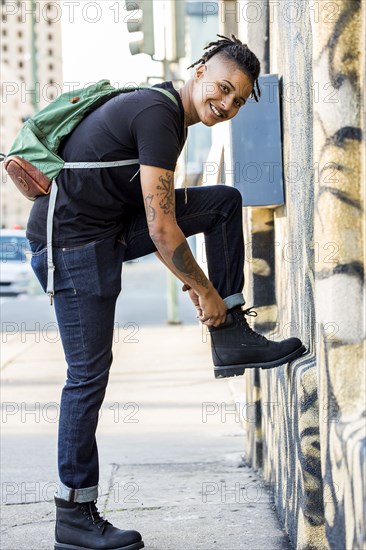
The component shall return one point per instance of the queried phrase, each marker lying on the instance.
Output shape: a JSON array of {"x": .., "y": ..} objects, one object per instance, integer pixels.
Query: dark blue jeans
[{"x": 87, "y": 284}]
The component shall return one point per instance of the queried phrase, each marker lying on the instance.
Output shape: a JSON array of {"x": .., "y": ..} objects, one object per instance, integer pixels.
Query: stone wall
[
  {"x": 309, "y": 434},
  {"x": 339, "y": 217}
]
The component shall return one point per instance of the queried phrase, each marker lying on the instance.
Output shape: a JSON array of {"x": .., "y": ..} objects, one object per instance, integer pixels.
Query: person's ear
[{"x": 200, "y": 71}]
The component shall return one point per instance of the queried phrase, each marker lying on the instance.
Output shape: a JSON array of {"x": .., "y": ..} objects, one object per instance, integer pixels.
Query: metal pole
[
  {"x": 34, "y": 56},
  {"x": 172, "y": 290}
]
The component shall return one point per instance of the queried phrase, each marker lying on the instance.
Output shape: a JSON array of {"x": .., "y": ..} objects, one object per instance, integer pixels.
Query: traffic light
[
  {"x": 179, "y": 24},
  {"x": 141, "y": 20}
]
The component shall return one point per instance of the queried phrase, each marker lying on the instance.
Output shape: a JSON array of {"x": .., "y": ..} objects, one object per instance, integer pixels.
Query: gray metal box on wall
[{"x": 256, "y": 145}]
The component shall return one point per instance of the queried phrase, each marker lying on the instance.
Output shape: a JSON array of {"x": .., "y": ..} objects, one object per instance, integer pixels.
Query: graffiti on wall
[
  {"x": 339, "y": 285},
  {"x": 312, "y": 413}
]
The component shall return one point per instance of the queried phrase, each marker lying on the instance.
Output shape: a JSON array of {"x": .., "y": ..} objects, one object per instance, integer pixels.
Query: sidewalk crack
[
  {"x": 26, "y": 503},
  {"x": 114, "y": 470},
  {"x": 32, "y": 522}
]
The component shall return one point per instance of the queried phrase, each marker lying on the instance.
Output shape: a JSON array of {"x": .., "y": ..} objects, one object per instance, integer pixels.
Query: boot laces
[
  {"x": 95, "y": 516},
  {"x": 244, "y": 323}
]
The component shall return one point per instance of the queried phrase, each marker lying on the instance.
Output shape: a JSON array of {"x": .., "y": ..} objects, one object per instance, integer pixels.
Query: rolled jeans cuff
[
  {"x": 77, "y": 495},
  {"x": 234, "y": 300}
]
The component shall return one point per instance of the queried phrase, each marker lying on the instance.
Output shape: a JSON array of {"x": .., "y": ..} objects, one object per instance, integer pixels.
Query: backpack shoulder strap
[
  {"x": 167, "y": 94},
  {"x": 112, "y": 164},
  {"x": 54, "y": 189},
  {"x": 162, "y": 90}
]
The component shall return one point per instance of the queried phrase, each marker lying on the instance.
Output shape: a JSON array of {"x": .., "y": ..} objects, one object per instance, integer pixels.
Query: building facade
[{"x": 31, "y": 77}]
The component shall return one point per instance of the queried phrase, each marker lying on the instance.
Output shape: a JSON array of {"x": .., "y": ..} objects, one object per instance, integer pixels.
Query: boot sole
[
  {"x": 226, "y": 371},
  {"x": 62, "y": 546}
]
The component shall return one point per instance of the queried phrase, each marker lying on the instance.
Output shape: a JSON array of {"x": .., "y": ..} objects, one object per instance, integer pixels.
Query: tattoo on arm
[
  {"x": 166, "y": 191},
  {"x": 150, "y": 211},
  {"x": 185, "y": 262}
]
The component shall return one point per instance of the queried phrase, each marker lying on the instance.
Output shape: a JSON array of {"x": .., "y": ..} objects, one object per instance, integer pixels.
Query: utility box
[{"x": 256, "y": 147}]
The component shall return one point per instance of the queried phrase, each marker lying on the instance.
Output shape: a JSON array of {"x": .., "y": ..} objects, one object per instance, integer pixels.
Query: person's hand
[{"x": 213, "y": 308}]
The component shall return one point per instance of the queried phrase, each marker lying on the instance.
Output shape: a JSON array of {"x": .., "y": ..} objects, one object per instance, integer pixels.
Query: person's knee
[{"x": 231, "y": 194}]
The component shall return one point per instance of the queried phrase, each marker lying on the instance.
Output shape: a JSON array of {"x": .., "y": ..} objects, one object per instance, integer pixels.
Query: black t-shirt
[{"x": 97, "y": 203}]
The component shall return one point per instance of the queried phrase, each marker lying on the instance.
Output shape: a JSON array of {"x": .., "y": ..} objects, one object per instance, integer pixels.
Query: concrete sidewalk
[{"x": 171, "y": 445}]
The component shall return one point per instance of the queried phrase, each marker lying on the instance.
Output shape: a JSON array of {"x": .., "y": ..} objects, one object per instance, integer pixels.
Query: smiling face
[{"x": 219, "y": 89}]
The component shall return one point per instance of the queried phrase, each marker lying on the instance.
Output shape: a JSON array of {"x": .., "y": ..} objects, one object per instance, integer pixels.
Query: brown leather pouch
[{"x": 29, "y": 180}]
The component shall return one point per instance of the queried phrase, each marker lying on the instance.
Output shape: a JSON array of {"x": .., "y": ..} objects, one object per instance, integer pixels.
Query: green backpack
[
  {"x": 39, "y": 139},
  {"x": 33, "y": 162}
]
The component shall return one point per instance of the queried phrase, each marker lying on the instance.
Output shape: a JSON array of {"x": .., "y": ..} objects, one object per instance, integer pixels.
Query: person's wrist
[{"x": 207, "y": 290}]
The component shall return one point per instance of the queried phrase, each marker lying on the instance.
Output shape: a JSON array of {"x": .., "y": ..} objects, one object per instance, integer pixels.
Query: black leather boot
[
  {"x": 236, "y": 347},
  {"x": 79, "y": 526}
]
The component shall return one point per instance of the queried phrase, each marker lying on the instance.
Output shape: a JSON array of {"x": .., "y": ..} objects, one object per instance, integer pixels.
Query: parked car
[{"x": 15, "y": 269}]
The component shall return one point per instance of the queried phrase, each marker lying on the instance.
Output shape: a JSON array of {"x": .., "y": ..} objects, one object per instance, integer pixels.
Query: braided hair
[{"x": 238, "y": 52}]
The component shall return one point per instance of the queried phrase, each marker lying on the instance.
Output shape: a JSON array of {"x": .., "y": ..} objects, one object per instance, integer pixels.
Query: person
[{"x": 108, "y": 216}]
